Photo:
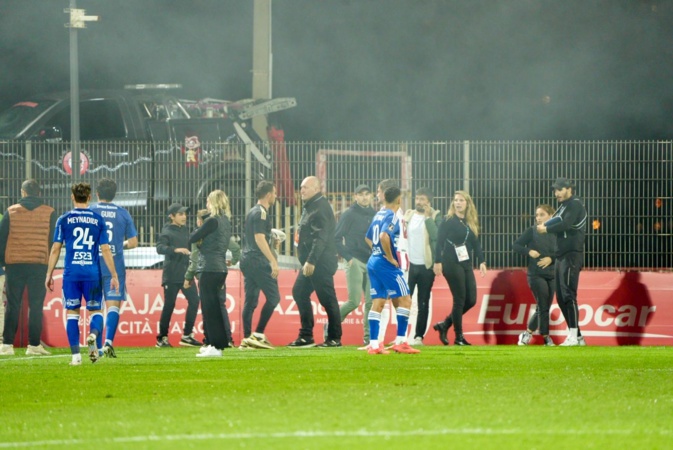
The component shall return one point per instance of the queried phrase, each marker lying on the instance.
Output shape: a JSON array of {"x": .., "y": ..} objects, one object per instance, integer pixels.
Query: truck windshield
[{"x": 14, "y": 120}]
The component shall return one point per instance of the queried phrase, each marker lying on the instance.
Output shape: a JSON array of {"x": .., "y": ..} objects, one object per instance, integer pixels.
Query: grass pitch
[{"x": 447, "y": 397}]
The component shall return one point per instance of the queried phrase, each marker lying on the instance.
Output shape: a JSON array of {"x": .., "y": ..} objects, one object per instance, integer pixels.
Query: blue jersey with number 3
[
  {"x": 120, "y": 227},
  {"x": 82, "y": 232},
  {"x": 385, "y": 221}
]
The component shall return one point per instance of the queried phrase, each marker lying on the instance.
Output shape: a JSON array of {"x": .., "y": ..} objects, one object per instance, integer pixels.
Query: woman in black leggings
[
  {"x": 214, "y": 236},
  {"x": 457, "y": 247},
  {"x": 539, "y": 251}
]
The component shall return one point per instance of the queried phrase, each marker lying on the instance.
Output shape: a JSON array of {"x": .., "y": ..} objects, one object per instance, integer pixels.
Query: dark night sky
[{"x": 376, "y": 69}]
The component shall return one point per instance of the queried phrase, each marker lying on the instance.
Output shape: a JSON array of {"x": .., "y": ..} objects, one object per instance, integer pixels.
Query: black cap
[
  {"x": 176, "y": 208},
  {"x": 561, "y": 183},
  {"x": 362, "y": 188}
]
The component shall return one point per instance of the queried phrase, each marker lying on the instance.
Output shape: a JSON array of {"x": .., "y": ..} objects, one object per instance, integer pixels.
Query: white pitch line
[{"x": 321, "y": 434}]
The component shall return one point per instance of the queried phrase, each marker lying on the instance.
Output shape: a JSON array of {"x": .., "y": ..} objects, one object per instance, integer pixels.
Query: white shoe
[
  {"x": 209, "y": 352},
  {"x": 93, "y": 349},
  {"x": 6, "y": 350},
  {"x": 524, "y": 338},
  {"x": 204, "y": 348},
  {"x": 581, "y": 342},
  {"x": 36, "y": 350},
  {"x": 417, "y": 341},
  {"x": 76, "y": 360},
  {"x": 570, "y": 342}
]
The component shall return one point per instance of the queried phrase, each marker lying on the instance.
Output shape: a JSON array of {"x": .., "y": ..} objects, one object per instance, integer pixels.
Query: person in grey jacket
[{"x": 351, "y": 246}]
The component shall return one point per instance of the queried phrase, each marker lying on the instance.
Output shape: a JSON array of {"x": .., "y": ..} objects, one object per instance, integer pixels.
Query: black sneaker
[
  {"x": 330, "y": 343},
  {"x": 189, "y": 341},
  {"x": 302, "y": 343},
  {"x": 109, "y": 351},
  {"x": 163, "y": 342}
]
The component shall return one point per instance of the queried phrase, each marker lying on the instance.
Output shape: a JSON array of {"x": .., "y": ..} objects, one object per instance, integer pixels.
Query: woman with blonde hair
[
  {"x": 214, "y": 235},
  {"x": 457, "y": 247}
]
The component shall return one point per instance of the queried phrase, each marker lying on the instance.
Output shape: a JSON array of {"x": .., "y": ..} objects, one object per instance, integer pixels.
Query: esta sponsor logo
[{"x": 496, "y": 310}]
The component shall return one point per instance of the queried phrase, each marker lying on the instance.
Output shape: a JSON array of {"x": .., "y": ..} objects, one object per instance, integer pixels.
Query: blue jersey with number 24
[{"x": 82, "y": 232}]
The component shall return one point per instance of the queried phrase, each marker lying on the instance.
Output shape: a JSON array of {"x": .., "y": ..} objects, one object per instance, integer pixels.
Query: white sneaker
[
  {"x": 204, "y": 348},
  {"x": 6, "y": 350},
  {"x": 417, "y": 341},
  {"x": 209, "y": 352},
  {"x": 570, "y": 342},
  {"x": 76, "y": 360},
  {"x": 36, "y": 350},
  {"x": 524, "y": 338},
  {"x": 581, "y": 342}
]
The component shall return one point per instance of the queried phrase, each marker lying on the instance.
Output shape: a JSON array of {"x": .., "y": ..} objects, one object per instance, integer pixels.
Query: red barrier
[{"x": 616, "y": 308}]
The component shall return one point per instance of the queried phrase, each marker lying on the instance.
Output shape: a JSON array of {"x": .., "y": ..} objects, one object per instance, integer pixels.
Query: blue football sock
[
  {"x": 111, "y": 322},
  {"x": 72, "y": 330},
  {"x": 402, "y": 321},
  {"x": 96, "y": 326},
  {"x": 374, "y": 323}
]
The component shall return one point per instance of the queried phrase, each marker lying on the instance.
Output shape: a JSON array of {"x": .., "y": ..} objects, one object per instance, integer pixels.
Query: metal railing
[{"x": 626, "y": 186}]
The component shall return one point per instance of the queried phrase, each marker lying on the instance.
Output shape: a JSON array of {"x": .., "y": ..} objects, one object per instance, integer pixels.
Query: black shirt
[
  {"x": 257, "y": 221},
  {"x": 452, "y": 233}
]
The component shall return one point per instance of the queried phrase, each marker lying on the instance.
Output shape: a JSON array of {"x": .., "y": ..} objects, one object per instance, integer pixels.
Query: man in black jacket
[
  {"x": 173, "y": 243},
  {"x": 351, "y": 246},
  {"x": 317, "y": 254},
  {"x": 569, "y": 224}
]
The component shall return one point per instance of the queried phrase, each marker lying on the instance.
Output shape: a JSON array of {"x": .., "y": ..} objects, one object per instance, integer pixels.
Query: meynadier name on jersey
[{"x": 83, "y": 219}]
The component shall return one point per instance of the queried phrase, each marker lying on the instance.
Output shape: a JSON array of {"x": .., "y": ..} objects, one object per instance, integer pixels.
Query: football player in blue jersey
[
  {"x": 386, "y": 277},
  {"x": 84, "y": 234},
  {"x": 122, "y": 234}
]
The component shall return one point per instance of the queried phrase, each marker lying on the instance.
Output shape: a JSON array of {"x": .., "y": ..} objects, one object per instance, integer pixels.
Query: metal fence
[{"x": 626, "y": 186}]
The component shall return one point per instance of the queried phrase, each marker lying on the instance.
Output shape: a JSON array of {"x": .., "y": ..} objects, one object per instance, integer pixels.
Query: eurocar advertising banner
[{"x": 616, "y": 308}]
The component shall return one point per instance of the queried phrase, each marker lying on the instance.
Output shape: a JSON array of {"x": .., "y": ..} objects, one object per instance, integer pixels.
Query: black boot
[
  {"x": 460, "y": 340},
  {"x": 442, "y": 329}
]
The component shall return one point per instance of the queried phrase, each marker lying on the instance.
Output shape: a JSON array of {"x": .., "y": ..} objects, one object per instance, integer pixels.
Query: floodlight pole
[
  {"x": 262, "y": 60},
  {"x": 77, "y": 20}
]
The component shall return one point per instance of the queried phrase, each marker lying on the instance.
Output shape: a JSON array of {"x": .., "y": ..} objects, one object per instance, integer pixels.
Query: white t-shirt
[{"x": 416, "y": 237}]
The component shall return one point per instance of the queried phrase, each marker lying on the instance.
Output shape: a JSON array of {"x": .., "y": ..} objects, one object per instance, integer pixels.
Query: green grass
[{"x": 447, "y": 397}]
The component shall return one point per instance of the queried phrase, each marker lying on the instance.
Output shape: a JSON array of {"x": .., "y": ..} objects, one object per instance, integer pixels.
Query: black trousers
[
  {"x": 171, "y": 291},
  {"x": 211, "y": 283},
  {"x": 222, "y": 298},
  {"x": 322, "y": 283},
  {"x": 568, "y": 269},
  {"x": 543, "y": 292},
  {"x": 257, "y": 277},
  {"x": 18, "y": 278},
  {"x": 424, "y": 278},
  {"x": 463, "y": 285}
]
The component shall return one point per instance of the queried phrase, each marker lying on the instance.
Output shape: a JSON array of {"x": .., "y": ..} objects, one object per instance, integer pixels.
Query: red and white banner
[{"x": 616, "y": 308}]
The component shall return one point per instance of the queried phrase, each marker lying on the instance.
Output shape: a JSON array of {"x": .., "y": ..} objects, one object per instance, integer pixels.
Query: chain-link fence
[{"x": 626, "y": 186}]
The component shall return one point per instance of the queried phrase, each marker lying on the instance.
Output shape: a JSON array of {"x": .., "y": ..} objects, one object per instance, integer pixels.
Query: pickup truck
[{"x": 158, "y": 148}]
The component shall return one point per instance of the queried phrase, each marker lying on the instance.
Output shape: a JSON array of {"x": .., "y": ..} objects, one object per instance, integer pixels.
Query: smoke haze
[{"x": 376, "y": 69}]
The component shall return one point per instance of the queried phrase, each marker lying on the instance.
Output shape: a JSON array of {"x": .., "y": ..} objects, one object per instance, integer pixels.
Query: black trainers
[
  {"x": 330, "y": 343},
  {"x": 189, "y": 341},
  {"x": 163, "y": 342},
  {"x": 302, "y": 343},
  {"x": 109, "y": 351}
]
